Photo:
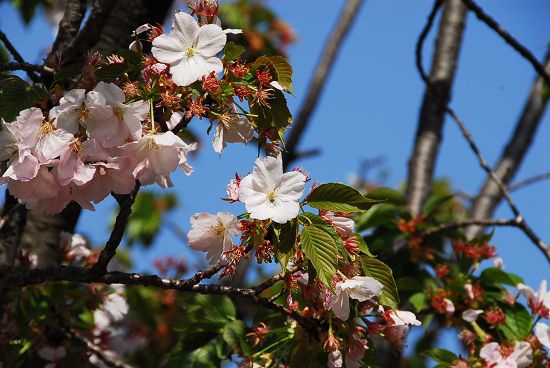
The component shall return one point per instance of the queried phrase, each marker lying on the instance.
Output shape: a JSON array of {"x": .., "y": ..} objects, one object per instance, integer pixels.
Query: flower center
[
  {"x": 46, "y": 128},
  {"x": 83, "y": 113},
  {"x": 220, "y": 229},
  {"x": 118, "y": 113},
  {"x": 152, "y": 145},
  {"x": 271, "y": 195},
  {"x": 190, "y": 51},
  {"x": 76, "y": 146}
]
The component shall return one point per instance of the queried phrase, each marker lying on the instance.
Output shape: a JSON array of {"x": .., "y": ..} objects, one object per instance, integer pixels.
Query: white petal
[
  {"x": 267, "y": 172},
  {"x": 218, "y": 143},
  {"x": 211, "y": 40},
  {"x": 542, "y": 332},
  {"x": 168, "y": 49},
  {"x": 185, "y": 28},
  {"x": 285, "y": 211},
  {"x": 339, "y": 303},
  {"x": 291, "y": 186},
  {"x": 111, "y": 92}
]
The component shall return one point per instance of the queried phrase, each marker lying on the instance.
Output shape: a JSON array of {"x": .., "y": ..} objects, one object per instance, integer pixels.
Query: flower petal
[{"x": 211, "y": 40}]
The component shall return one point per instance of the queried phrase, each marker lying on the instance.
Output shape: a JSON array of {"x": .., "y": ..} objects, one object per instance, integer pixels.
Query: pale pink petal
[
  {"x": 168, "y": 48},
  {"x": 185, "y": 28}
]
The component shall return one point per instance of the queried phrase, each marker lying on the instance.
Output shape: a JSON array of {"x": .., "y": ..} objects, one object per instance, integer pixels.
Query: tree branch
[
  {"x": 436, "y": 96},
  {"x": 95, "y": 350},
  {"x": 315, "y": 88},
  {"x": 29, "y": 68},
  {"x": 16, "y": 55},
  {"x": 510, "y": 40},
  {"x": 9, "y": 278},
  {"x": 489, "y": 196},
  {"x": 534, "y": 179},
  {"x": 125, "y": 202},
  {"x": 68, "y": 26},
  {"x": 90, "y": 34},
  {"x": 520, "y": 220},
  {"x": 467, "y": 223}
]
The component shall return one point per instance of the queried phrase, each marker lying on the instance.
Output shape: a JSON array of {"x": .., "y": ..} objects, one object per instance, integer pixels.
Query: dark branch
[
  {"x": 90, "y": 34},
  {"x": 29, "y": 68},
  {"x": 534, "y": 179},
  {"x": 468, "y": 223},
  {"x": 11, "y": 229},
  {"x": 69, "y": 25},
  {"x": 315, "y": 88},
  {"x": 510, "y": 40},
  {"x": 16, "y": 55},
  {"x": 489, "y": 196},
  {"x": 125, "y": 202},
  {"x": 436, "y": 96},
  {"x": 11, "y": 279}
]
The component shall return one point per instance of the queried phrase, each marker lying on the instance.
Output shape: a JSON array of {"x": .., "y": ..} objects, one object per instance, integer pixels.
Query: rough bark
[
  {"x": 489, "y": 196},
  {"x": 436, "y": 96}
]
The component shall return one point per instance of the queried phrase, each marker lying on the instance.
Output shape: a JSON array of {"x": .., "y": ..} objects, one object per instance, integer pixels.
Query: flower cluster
[{"x": 91, "y": 144}]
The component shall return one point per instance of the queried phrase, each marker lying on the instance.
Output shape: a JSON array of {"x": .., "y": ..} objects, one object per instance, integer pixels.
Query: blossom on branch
[
  {"x": 361, "y": 288},
  {"x": 189, "y": 49},
  {"x": 212, "y": 233},
  {"x": 268, "y": 193}
]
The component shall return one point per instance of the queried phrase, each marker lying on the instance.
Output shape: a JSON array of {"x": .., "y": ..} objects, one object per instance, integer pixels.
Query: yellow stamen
[
  {"x": 152, "y": 145},
  {"x": 83, "y": 113},
  {"x": 272, "y": 195},
  {"x": 118, "y": 113},
  {"x": 220, "y": 229},
  {"x": 190, "y": 51},
  {"x": 46, "y": 128}
]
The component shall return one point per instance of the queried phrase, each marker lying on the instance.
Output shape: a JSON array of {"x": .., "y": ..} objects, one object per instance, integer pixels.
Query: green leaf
[
  {"x": 232, "y": 51},
  {"x": 286, "y": 241},
  {"x": 379, "y": 214},
  {"x": 233, "y": 333},
  {"x": 518, "y": 323},
  {"x": 380, "y": 271},
  {"x": 440, "y": 355},
  {"x": 17, "y": 95},
  {"x": 321, "y": 249},
  {"x": 496, "y": 276},
  {"x": 277, "y": 115},
  {"x": 111, "y": 72},
  {"x": 280, "y": 69},
  {"x": 69, "y": 71},
  {"x": 388, "y": 194},
  {"x": 339, "y": 198},
  {"x": 363, "y": 247},
  {"x": 434, "y": 202},
  {"x": 419, "y": 301}
]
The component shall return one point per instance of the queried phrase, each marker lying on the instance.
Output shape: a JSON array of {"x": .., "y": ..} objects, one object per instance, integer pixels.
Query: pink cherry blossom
[
  {"x": 542, "y": 332},
  {"x": 124, "y": 121},
  {"x": 157, "y": 156}
]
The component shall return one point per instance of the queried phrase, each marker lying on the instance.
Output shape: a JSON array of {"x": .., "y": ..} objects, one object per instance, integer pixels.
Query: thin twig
[
  {"x": 315, "y": 88},
  {"x": 520, "y": 220},
  {"x": 422, "y": 38},
  {"x": 534, "y": 179},
  {"x": 16, "y": 55},
  {"x": 93, "y": 349},
  {"x": 489, "y": 196},
  {"x": 125, "y": 202},
  {"x": 25, "y": 67},
  {"x": 467, "y": 223},
  {"x": 273, "y": 279},
  {"x": 510, "y": 40}
]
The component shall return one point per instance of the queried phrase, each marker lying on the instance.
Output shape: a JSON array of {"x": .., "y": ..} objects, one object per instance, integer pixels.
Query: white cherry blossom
[
  {"x": 538, "y": 299},
  {"x": 232, "y": 128},
  {"x": 360, "y": 288},
  {"x": 212, "y": 233},
  {"x": 542, "y": 332},
  {"x": 268, "y": 193},
  {"x": 189, "y": 49},
  {"x": 470, "y": 315}
]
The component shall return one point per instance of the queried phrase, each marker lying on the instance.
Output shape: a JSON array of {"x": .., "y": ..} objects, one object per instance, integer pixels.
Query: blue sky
[{"x": 370, "y": 108}]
